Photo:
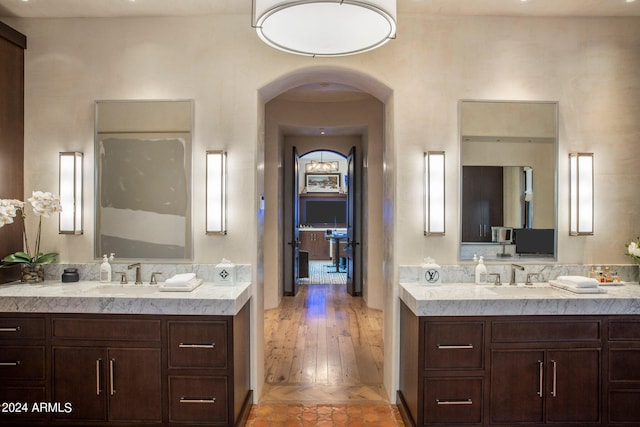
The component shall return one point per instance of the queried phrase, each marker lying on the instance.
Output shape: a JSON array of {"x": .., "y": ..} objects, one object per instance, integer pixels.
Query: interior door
[
  {"x": 353, "y": 248},
  {"x": 292, "y": 235}
]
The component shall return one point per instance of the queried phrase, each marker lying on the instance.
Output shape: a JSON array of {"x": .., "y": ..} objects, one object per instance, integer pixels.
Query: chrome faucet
[
  {"x": 138, "y": 272},
  {"x": 512, "y": 278}
]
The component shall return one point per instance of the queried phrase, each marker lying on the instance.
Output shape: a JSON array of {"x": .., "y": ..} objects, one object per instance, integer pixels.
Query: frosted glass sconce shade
[
  {"x": 325, "y": 27},
  {"x": 434, "y": 193},
  {"x": 71, "y": 193},
  {"x": 216, "y": 192},
  {"x": 581, "y": 194}
]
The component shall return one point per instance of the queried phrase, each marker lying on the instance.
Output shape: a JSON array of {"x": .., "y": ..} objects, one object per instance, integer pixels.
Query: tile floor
[{"x": 330, "y": 415}]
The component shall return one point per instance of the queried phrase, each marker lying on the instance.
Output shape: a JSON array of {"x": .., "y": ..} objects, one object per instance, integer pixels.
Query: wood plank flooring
[{"x": 323, "y": 346}]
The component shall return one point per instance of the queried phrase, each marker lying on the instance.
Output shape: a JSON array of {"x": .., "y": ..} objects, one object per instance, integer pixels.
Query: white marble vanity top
[
  {"x": 113, "y": 298},
  {"x": 468, "y": 299}
]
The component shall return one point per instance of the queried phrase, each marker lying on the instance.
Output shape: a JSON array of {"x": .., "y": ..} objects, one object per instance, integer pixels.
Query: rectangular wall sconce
[
  {"x": 71, "y": 193},
  {"x": 581, "y": 194},
  {"x": 216, "y": 192},
  {"x": 434, "y": 193}
]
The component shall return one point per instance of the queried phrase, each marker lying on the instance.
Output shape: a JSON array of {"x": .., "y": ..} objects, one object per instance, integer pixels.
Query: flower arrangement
[
  {"x": 44, "y": 204},
  {"x": 633, "y": 250}
]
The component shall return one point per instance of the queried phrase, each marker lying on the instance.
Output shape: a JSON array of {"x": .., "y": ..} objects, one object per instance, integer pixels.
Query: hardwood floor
[{"x": 323, "y": 346}]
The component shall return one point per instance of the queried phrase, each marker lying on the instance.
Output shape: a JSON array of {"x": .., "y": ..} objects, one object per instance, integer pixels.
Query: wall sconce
[
  {"x": 216, "y": 192},
  {"x": 580, "y": 194},
  {"x": 434, "y": 193},
  {"x": 71, "y": 193}
]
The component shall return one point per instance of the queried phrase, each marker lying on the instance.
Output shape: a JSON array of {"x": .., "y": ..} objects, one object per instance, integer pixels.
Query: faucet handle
[
  {"x": 496, "y": 281},
  {"x": 529, "y": 276},
  {"x": 153, "y": 280},
  {"x": 123, "y": 277}
]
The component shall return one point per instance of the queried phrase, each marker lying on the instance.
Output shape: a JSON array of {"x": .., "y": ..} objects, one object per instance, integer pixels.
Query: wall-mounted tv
[
  {"x": 323, "y": 213},
  {"x": 534, "y": 241}
]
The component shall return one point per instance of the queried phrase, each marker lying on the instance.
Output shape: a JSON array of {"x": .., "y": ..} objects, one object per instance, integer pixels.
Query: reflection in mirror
[
  {"x": 143, "y": 179},
  {"x": 508, "y": 168}
]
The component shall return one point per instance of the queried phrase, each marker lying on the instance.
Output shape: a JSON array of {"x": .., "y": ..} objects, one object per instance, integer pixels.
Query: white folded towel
[
  {"x": 579, "y": 281},
  {"x": 185, "y": 279}
]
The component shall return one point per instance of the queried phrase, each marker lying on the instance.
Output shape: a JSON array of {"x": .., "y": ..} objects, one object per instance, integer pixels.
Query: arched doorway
[{"x": 346, "y": 104}]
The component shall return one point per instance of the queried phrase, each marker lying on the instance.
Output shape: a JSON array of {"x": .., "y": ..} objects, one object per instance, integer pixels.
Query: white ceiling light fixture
[{"x": 325, "y": 27}]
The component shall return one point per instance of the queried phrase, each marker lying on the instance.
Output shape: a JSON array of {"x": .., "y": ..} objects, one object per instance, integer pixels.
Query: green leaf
[
  {"x": 18, "y": 258},
  {"x": 45, "y": 258}
]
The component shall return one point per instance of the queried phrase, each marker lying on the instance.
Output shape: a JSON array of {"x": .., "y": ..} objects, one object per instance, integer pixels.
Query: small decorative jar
[{"x": 32, "y": 273}]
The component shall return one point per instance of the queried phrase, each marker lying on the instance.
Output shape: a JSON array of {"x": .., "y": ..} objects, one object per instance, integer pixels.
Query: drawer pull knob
[
  {"x": 455, "y": 402},
  {"x": 195, "y": 400},
  {"x": 16, "y": 363},
  {"x": 454, "y": 346},
  {"x": 185, "y": 345},
  {"x": 10, "y": 329}
]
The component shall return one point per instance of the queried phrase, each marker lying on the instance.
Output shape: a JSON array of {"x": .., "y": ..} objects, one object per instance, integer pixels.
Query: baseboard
[
  {"x": 246, "y": 410},
  {"x": 404, "y": 410}
]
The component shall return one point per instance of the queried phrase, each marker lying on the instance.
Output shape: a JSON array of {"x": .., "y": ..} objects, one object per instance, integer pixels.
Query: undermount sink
[{"x": 523, "y": 290}]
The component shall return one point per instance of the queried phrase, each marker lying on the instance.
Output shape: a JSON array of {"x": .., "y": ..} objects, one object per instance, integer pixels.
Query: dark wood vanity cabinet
[
  {"x": 482, "y": 204},
  {"x": 515, "y": 370},
  {"x": 623, "y": 371},
  {"x": 545, "y": 371},
  {"x": 107, "y": 369},
  {"x": 143, "y": 370},
  {"x": 23, "y": 367}
]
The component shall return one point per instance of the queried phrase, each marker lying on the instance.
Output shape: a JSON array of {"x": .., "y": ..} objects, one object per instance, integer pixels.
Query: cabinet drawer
[
  {"x": 623, "y": 407},
  {"x": 198, "y": 399},
  {"x": 454, "y": 345},
  {"x": 453, "y": 400},
  {"x": 198, "y": 344},
  {"x": 106, "y": 329},
  {"x": 624, "y": 365},
  {"x": 550, "y": 331},
  {"x": 22, "y": 363},
  {"x": 12, "y": 328},
  {"x": 624, "y": 330}
]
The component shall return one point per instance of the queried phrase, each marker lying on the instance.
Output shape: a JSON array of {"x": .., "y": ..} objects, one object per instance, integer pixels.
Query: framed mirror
[
  {"x": 143, "y": 179},
  {"x": 508, "y": 167}
]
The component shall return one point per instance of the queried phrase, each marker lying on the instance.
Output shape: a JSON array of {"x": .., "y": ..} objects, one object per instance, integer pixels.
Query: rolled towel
[
  {"x": 579, "y": 281},
  {"x": 181, "y": 279}
]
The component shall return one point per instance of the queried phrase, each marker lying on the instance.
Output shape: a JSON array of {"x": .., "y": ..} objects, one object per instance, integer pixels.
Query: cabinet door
[
  {"x": 573, "y": 385},
  {"x": 79, "y": 377},
  {"x": 134, "y": 385},
  {"x": 517, "y": 386},
  {"x": 482, "y": 204}
]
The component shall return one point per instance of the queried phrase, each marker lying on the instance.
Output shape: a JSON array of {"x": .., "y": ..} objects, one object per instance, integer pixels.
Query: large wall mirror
[
  {"x": 508, "y": 180},
  {"x": 143, "y": 179}
]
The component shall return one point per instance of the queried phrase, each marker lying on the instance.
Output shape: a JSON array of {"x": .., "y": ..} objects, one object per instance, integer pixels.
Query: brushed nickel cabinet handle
[
  {"x": 112, "y": 385},
  {"x": 16, "y": 363},
  {"x": 454, "y": 402},
  {"x": 186, "y": 345},
  {"x": 555, "y": 371},
  {"x": 10, "y": 329},
  {"x": 196, "y": 400},
  {"x": 454, "y": 346},
  {"x": 540, "y": 376},
  {"x": 98, "y": 366}
]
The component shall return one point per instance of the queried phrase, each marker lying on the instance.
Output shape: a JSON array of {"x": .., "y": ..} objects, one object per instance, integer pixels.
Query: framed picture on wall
[{"x": 322, "y": 182}]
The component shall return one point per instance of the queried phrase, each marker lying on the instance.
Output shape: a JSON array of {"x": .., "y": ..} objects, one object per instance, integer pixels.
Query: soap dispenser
[
  {"x": 105, "y": 270},
  {"x": 481, "y": 272}
]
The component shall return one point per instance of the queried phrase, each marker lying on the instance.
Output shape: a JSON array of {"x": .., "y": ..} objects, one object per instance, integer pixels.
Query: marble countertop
[
  {"x": 113, "y": 298},
  {"x": 468, "y": 299}
]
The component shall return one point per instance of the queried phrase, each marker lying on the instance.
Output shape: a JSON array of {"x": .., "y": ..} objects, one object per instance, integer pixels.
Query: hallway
[
  {"x": 323, "y": 346},
  {"x": 323, "y": 359}
]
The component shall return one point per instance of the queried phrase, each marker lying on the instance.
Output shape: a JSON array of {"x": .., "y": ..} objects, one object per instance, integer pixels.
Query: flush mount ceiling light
[{"x": 325, "y": 27}]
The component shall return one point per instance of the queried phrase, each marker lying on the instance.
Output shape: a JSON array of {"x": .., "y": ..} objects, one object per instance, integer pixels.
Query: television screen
[
  {"x": 325, "y": 212},
  {"x": 534, "y": 241}
]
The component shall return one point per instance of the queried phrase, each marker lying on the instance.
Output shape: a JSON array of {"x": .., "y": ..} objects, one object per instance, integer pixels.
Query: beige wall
[{"x": 590, "y": 66}]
